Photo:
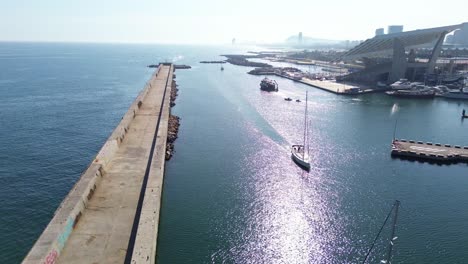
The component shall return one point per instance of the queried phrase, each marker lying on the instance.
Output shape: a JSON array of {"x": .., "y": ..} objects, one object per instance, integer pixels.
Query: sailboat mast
[
  {"x": 392, "y": 236},
  {"x": 394, "y": 130},
  {"x": 305, "y": 127}
]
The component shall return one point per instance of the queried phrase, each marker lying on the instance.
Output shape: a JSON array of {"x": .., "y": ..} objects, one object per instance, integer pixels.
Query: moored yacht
[
  {"x": 457, "y": 94},
  {"x": 402, "y": 84},
  {"x": 412, "y": 93}
]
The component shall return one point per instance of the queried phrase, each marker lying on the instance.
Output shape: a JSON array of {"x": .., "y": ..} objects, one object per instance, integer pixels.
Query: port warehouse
[{"x": 413, "y": 55}]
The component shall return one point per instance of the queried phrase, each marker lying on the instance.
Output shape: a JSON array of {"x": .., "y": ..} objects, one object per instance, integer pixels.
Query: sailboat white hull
[{"x": 301, "y": 159}]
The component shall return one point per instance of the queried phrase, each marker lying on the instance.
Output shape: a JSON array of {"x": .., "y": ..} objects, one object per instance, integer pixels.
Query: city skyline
[{"x": 206, "y": 22}]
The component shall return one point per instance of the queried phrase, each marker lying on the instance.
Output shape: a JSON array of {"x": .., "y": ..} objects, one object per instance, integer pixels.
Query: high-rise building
[
  {"x": 299, "y": 38},
  {"x": 394, "y": 29},
  {"x": 379, "y": 31}
]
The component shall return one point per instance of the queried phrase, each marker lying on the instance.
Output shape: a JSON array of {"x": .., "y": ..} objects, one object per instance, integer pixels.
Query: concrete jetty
[
  {"x": 429, "y": 151},
  {"x": 332, "y": 86},
  {"x": 326, "y": 85},
  {"x": 111, "y": 215}
]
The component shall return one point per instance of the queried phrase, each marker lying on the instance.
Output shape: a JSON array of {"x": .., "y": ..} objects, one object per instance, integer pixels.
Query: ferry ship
[{"x": 268, "y": 85}]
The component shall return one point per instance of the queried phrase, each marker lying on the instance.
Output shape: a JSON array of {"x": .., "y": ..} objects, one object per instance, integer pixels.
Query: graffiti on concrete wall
[
  {"x": 63, "y": 237},
  {"x": 51, "y": 258}
]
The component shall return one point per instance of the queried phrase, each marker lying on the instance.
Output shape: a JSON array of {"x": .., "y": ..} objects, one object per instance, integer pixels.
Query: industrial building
[
  {"x": 379, "y": 31},
  {"x": 394, "y": 29},
  {"x": 459, "y": 37},
  {"x": 390, "y": 57}
]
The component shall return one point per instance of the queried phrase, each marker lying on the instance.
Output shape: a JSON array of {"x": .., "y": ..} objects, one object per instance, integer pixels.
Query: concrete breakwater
[
  {"x": 176, "y": 66},
  {"x": 242, "y": 60},
  {"x": 208, "y": 62},
  {"x": 111, "y": 214}
]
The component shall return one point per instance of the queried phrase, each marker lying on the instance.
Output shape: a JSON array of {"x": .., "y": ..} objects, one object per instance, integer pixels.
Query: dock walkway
[
  {"x": 429, "y": 151},
  {"x": 111, "y": 215},
  {"x": 329, "y": 86},
  {"x": 326, "y": 85}
]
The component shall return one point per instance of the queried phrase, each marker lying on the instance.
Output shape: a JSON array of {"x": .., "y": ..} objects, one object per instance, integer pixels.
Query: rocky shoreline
[
  {"x": 174, "y": 93},
  {"x": 173, "y": 129},
  {"x": 173, "y": 124}
]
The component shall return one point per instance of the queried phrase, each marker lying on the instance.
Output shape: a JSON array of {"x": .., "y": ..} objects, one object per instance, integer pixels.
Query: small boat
[
  {"x": 464, "y": 114},
  {"x": 268, "y": 85},
  {"x": 222, "y": 68},
  {"x": 297, "y": 100},
  {"x": 287, "y": 99},
  {"x": 353, "y": 90},
  {"x": 300, "y": 153}
]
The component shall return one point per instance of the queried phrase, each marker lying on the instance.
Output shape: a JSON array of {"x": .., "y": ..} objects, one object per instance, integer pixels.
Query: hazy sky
[{"x": 216, "y": 21}]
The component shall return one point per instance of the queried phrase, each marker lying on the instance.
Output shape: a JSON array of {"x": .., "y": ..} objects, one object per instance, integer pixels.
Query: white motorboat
[
  {"x": 402, "y": 84},
  {"x": 300, "y": 153}
]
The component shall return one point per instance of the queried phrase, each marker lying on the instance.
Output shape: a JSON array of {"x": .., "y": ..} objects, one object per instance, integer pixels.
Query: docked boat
[
  {"x": 402, "y": 84},
  {"x": 457, "y": 94},
  {"x": 287, "y": 99},
  {"x": 412, "y": 93},
  {"x": 297, "y": 100},
  {"x": 440, "y": 89},
  {"x": 268, "y": 85},
  {"x": 300, "y": 153},
  {"x": 353, "y": 90}
]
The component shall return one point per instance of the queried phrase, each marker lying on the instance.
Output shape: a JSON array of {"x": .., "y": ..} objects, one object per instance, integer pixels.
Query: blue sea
[{"x": 231, "y": 192}]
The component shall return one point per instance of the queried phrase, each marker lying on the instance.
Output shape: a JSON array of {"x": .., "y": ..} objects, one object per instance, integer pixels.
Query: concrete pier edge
[
  {"x": 49, "y": 245},
  {"x": 144, "y": 248}
]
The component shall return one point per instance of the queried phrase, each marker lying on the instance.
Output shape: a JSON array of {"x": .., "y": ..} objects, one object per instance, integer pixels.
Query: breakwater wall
[{"x": 54, "y": 238}]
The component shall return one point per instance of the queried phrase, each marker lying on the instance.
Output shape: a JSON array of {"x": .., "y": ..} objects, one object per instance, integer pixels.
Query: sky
[{"x": 216, "y": 21}]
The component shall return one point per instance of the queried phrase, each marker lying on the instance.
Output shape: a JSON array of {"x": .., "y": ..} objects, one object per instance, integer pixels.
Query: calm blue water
[{"x": 231, "y": 194}]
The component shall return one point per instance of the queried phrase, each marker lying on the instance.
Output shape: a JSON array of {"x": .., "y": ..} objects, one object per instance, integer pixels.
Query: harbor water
[{"x": 231, "y": 191}]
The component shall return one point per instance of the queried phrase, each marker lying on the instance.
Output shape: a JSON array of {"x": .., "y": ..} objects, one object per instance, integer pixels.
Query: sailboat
[{"x": 299, "y": 153}]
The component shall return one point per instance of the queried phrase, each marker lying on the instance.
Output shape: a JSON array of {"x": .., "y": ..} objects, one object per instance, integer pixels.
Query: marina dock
[
  {"x": 334, "y": 87},
  {"x": 326, "y": 85},
  {"x": 429, "y": 151},
  {"x": 111, "y": 214}
]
